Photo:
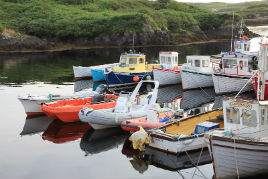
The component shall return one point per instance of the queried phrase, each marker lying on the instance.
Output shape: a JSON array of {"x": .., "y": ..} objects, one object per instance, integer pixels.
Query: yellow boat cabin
[{"x": 133, "y": 63}]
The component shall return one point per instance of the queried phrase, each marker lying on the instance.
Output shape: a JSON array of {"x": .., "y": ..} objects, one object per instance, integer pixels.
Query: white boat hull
[
  {"x": 85, "y": 72},
  {"x": 166, "y": 77},
  {"x": 106, "y": 118},
  {"x": 241, "y": 158},
  {"x": 193, "y": 80},
  {"x": 176, "y": 146},
  {"x": 32, "y": 107},
  {"x": 225, "y": 84},
  {"x": 82, "y": 72}
]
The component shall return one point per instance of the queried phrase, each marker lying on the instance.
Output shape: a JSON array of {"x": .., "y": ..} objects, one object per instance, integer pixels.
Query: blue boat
[
  {"x": 124, "y": 78},
  {"x": 98, "y": 75}
]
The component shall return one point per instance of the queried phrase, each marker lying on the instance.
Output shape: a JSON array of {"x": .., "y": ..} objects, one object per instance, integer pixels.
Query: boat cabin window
[
  {"x": 168, "y": 60},
  {"x": 190, "y": 62},
  {"x": 197, "y": 63},
  {"x": 232, "y": 115},
  {"x": 238, "y": 46},
  {"x": 205, "y": 63},
  {"x": 162, "y": 60},
  {"x": 123, "y": 62},
  {"x": 132, "y": 60},
  {"x": 262, "y": 116},
  {"x": 141, "y": 60},
  {"x": 249, "y": 118},
  {"x": 246, "y": 47},
  {"x": 229, "y": 63}
]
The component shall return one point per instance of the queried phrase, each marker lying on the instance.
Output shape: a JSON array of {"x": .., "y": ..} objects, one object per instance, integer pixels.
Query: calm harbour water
[{"x": 42, "y": 148}]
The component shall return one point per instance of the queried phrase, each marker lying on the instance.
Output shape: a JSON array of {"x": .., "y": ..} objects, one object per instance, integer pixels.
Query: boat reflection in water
[
  {"x": 82, "y": 84},
  {"x": 136, "y": 158},
  {"x": 197, "y": 101},
  {"x": 60, "y": 132},
  {"x": 184, "y": 163},
  {"x": 218, "y": 99},
  {"x": 169, "y": 93},
  {"x": 97, "y": 141},
  {"x": 181, "y": 161},
  {"x": 35, "y": 125}
]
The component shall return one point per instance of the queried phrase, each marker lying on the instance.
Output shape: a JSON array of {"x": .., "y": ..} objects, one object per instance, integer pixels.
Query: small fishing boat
[
  {"x": 85, "y": 72},
  {"x": 32, "y": 103},
  {"x": 127, "y": 107},
  {"x": 233, "y": 73},
  {"x": 169, "y": 72},
  {"x": 241, "y": 148},
  {"x": 131, "y": 69},
  {"x": 152, "y": 120},
  {"x": 67, "y": 110},
  {"x": 197, "y": 73},
  {"x": 186, "y": 134},
  {"x": 235, "y": 69}
]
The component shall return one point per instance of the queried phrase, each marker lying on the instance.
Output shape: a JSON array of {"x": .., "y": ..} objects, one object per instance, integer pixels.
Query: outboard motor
[
  {"x": 98, "y": 98},
  {"x": 101, "y": 90}
]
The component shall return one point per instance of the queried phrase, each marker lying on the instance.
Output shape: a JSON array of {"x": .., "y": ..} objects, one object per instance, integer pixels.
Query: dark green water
[{"x": 56, "y": 67}]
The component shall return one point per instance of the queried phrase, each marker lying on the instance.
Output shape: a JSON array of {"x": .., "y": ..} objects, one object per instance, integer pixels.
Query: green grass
[
  {"x": 67, "y": 19},
  {"x": 246, "y": 9}
]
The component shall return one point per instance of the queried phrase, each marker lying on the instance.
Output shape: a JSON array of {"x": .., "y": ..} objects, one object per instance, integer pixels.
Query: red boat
[
  {"x": 67, "y": 111},
  {"x": 159, "y": 120},
  {"x": 255, "y": 86}
]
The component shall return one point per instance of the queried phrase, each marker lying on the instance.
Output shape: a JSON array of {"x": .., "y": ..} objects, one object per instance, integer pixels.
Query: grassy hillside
[
  {"x": 90, "y": 18},
  {"x": 246, "y": 9}
]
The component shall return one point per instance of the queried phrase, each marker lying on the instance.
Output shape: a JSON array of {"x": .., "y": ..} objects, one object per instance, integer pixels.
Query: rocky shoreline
[{"x": 147, "y": 37}]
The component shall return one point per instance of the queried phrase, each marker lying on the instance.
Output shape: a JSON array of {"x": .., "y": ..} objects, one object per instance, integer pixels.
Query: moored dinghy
[
  {"x": 152, "y": 120},
  {"x": 67, "y": 110},
  {"x": 127, "y": 107}
]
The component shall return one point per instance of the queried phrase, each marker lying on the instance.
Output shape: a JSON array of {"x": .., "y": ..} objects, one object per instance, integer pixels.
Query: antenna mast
[
  {"x": 241, "y": 29},
  {"x": 232, "y": 33},
  {"x": 133, "y": 42}
]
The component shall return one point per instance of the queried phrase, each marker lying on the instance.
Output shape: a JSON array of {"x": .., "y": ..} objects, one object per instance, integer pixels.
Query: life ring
[{"x": 245, "y": 38}]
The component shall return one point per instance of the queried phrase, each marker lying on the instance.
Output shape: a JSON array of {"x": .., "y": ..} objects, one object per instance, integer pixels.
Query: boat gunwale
[
  {"x": 241, "y": 141},
  {"x": 171, "y": 137}
]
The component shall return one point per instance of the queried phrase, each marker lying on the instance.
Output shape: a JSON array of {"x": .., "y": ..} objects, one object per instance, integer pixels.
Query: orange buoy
[
  {"x": 245, "y": 38},
  {"x": 136, "y": 78}
]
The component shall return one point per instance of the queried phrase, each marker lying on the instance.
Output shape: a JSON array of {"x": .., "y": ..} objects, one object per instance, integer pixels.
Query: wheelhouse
[
  {"x": 236, "y": 65},
  {"x": 168, "y": 60},
  {"x": 242, "y": 46},
  {"x": 199, "y": 64},
  {"x": 245, "y": 117}
]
